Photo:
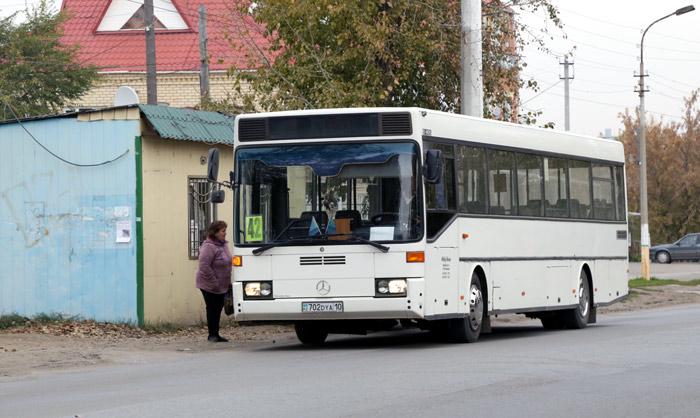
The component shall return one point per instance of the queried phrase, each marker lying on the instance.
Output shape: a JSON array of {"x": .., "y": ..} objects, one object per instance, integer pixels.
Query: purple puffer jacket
[{"x": 214, "y": 272}]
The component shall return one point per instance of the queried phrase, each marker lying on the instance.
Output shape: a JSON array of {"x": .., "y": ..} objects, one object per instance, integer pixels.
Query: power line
[
  {"x": 616, "y": 105},
  {"x": 14, "y": 115},
  {"x": 627, "y": 27},
  {"x": 541, "y": 92},
  {"x": 612, "y": 38}
]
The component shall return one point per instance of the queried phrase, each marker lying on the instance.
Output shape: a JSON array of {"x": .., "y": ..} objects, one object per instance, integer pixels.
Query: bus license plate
[{"x": 319, "y": 307}]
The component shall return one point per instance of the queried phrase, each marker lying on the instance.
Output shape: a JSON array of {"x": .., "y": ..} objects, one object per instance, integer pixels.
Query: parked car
[{"x": 686, "y": 248}]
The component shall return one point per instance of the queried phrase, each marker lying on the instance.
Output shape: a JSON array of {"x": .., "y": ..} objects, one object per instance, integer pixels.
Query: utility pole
[
  {"x": 472, "y": 82},
  {"x": 203, "y": 60},
  {"x": 566, "y": 78},
  {"x": 643, "y": 207},
  {"x": 645, "y": 239},
  {"x": 151, "y": 84}
]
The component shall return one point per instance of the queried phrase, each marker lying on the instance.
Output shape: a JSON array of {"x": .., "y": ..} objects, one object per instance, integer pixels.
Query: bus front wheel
[
  {"x": 467, "y": 330},
  {"x": 310, "y": 333}
]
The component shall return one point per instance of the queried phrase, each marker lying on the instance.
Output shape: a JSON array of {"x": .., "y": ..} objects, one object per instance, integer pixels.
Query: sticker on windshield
[
  {"x": 381, "y": 233},
  {"x": 254, "y": 228}
]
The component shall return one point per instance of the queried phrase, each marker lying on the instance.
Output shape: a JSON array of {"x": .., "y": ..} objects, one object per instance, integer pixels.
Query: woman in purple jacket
[{"x": 214, "y": 276}]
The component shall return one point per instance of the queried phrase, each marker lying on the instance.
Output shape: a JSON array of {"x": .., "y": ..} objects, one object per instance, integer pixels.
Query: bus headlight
[
  {"x": 390, "y": 287},
  {"x": 257, "y": 290}
]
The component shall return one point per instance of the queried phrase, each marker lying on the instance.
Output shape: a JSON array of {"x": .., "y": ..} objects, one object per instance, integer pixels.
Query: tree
[
  {"x": 673, "y": 172},
  {"x": 39, "y": 75},
  {"x": 332, "y": 53}
]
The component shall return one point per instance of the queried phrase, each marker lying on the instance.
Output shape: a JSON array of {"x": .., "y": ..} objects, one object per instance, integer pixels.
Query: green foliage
[
  {"x": 336, "y": 53},
  {"x": 39, "y": 75},
  {"x": 639, "y": 282}
]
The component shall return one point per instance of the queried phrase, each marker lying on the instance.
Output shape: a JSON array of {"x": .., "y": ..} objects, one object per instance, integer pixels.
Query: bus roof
[{"x": 437, "y": 124}]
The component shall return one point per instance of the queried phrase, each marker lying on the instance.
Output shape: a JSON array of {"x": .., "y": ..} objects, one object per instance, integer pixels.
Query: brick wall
[{"x": 175, "y": 89}]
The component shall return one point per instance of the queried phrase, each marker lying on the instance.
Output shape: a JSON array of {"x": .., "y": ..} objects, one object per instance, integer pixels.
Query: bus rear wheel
[
  {"x": 310, "y": 333},
  {"x": 576, "y": 318},
  {"x": 467, "y": 330}
]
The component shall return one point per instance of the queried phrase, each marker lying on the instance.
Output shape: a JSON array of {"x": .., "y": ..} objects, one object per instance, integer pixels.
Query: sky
[
  {"x": 8, "y": 7},
  {"x": 604, "y": 37}
]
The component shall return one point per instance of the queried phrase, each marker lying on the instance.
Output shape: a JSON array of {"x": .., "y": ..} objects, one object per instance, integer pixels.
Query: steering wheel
[{"x": 383, "y": 218}]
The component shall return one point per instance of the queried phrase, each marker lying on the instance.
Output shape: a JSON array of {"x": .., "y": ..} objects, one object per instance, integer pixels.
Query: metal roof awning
[{"x": 189, "y": 124}]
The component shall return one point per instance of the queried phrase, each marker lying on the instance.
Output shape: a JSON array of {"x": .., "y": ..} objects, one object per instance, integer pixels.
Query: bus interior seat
[
  {"x": 321, "y": 217},
  {"x": 497, "y": 210},
  {"x": 352, "y": 214}
]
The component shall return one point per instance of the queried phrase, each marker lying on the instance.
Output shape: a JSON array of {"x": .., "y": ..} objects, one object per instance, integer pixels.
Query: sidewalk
[{"x": 679, "y": 270}]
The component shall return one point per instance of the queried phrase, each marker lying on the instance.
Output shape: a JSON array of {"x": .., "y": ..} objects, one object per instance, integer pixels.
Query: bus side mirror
[
  {"x": 232, "y": 179},
  {"x": 218, "y": 196},
  {"x": 432, "y": 170},
  {"x": 213, "y": 164}
]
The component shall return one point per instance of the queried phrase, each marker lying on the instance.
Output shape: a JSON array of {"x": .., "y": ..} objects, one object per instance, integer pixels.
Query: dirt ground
[{"x": 36, "y": 348}]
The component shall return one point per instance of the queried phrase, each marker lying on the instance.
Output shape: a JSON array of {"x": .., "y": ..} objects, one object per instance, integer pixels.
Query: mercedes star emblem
[{"x": 323, "y": 287}]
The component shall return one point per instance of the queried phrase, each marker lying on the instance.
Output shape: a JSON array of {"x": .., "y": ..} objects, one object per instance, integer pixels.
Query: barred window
[{"x": 201, "y": 212}]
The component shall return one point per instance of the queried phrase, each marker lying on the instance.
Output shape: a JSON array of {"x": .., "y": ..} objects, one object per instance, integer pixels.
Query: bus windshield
[{"x": 347, "y": 193}]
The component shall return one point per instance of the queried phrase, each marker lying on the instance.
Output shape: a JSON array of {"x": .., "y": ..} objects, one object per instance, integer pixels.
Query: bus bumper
[{"x": 290, "y": 309}]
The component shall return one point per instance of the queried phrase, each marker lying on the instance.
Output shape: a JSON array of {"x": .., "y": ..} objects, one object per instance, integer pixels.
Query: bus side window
[
  {"x": 501, "y": 180},
  {"x": 440, "y": 197},
  {"x": 529, "y": 179},
  {"x": 471, "y": 179},
  {"x": 556, "y": 197},
  {"x": 580, "y": 188},
  {"x": 603, "y": 192},
  {"x": 620, "y": 193}
]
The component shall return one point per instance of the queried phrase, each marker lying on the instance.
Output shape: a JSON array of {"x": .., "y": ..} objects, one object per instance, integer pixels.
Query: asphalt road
[
  {"x": 638, "y": 364},
  {"x": 678, "y": 270}
]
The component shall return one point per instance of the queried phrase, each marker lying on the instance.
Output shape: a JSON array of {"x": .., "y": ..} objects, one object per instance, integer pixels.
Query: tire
[
  {"x": 467, "y": 330},
  {"x": 577, "y": 318},
  {"x": 309, "y": 333},
  {"x": 663, "y": 257}
]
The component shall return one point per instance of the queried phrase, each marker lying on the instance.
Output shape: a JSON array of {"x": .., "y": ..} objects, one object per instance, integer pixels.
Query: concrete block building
[{"x": 102, "y": 212}]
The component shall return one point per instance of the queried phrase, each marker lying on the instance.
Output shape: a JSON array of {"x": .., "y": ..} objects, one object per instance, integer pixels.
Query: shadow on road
[{"x": 412, "y": 339}]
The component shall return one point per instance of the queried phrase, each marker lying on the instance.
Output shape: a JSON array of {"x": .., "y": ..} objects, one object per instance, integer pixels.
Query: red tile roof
[{"x": 175, "y": 50}]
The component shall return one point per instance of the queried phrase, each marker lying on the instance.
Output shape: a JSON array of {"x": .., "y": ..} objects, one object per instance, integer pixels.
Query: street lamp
[{"x": 643, "y": 208}]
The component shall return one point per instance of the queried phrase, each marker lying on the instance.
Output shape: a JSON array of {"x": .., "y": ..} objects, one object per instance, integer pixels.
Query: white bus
[{"x": 352, "y": 220}]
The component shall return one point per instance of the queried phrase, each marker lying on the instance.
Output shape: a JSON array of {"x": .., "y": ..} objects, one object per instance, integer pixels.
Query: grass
[
  {"x": 12, "y": 320},
  {"x": 639, "y": 282},
  {"x": 15, "y": 320},
  {"x": 166, "y": 328}
]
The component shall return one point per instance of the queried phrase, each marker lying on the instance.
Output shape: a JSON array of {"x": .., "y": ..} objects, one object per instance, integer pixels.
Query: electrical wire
[
  {"x": 639, "y": 30},
  {"x": 613, "y": 105},
  {"x": 14, "y": 115},
  {"x": 541, "y": 92}
]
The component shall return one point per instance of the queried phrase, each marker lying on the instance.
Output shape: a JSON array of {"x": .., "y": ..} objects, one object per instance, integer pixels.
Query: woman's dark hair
[{"x": 215, "y": 227}]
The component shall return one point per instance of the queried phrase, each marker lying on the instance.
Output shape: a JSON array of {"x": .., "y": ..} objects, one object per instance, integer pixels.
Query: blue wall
[{"x": 58, "y": 249}]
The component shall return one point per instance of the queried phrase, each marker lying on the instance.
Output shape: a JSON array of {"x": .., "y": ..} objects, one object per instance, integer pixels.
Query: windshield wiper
[
  {"x": 380, "y": 247},
  {"x": 303, "y": 240},
  {"x": 311, "y": 240}
]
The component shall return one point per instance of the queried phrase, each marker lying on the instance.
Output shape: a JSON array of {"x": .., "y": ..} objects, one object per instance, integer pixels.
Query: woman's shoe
[{"x": 217, "y": 339}]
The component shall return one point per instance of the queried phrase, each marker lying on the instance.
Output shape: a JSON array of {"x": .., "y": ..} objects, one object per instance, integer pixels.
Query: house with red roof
[{"x": 111, "y": 36}]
